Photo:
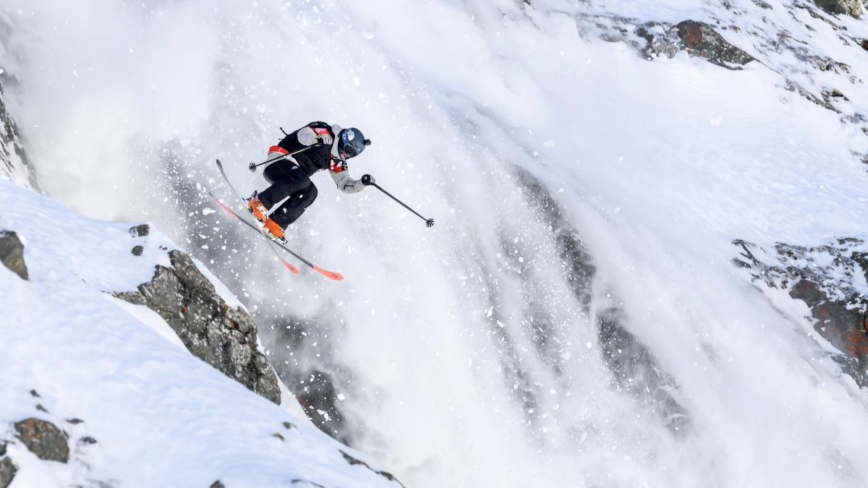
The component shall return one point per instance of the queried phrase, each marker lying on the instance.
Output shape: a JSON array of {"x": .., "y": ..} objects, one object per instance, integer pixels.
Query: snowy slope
[
  {"x": 159, "y": 416},
  {"x": 475, "y": 354}
]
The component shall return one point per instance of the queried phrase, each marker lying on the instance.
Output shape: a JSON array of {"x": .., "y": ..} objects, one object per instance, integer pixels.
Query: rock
[
  {"x": 13, "y": 159},
  {"x": 222, "y": 336},
  {"x": 824, "y": 278},
  {"x": 318, "y": 397},
  {"x": 217, "y": 484},
  {"x": 138, "y": 250},
  {"x": 140, "y": 230},
  {"x": 636, "y": 373},
  {"x": 847, "y": 7},
  {"x": 34, "y": 394},
  {"x": 7, "y": 472},
  {"x": 87, "y": 440},
  {"x": 12, "y": 253},
  {"x": 357, "y": 462},
  {"x": 43, "y": 439},
  {"x": 2, "y": 449},
  {"x": 700, "y": 39}
]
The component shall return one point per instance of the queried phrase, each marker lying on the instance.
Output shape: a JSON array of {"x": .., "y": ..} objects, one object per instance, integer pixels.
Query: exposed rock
[
  {"x": 319, "y": 399},
  {"x": 217, "y": 484},
  {"x": 34, "y": 394},
  {"x": 826, "y": 278},
  {"x": 138, "y": 250},
  {"x": 635, "y": 372},
  {"x": 221, "y": 336},
  {"x": 2, "y": 449},
  {"x": 700, "y": 39},
  {"x": 846, "y": 7},
  {"x": 43, "y": 439},
  {"x": 13, "y": 159},
  {"x": 140, "y": 230},
  {"x": 7, "y": 472},
  {"x": 12, "y": 253},
  {"x": 357, "y": 462}
]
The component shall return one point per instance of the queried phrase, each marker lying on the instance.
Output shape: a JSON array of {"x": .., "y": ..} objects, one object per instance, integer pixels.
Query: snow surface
[
  {"x": 434, "y": 336},
  {"x": 160, "y": 416}
]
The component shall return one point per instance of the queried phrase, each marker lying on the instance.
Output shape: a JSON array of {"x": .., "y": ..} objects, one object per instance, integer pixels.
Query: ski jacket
[{"x": 312, "y": 155}]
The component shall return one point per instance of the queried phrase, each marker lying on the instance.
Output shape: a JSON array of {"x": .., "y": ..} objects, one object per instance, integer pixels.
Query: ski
[
  {"x": 328, "y": 274},
  {"x": 228, "y": 210}
]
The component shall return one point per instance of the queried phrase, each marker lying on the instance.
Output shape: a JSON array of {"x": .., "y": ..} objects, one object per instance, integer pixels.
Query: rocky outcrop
[
  {"x": 703, "y": 41},
  {"x": 13, "y": 159},
  {"x": 43, "y": 439},
  {"x": 846, "y": 7},
  {"x": 224, "y": 337},
  {"x": 12, "y": 253},
  {"x": 7, "y": 472},
  {"x": 829, "y": 279},
  {"x": 635, "y": 370}
]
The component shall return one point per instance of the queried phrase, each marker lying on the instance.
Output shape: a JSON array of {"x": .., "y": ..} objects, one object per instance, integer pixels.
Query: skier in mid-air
[{"x": 316, "y": 146}]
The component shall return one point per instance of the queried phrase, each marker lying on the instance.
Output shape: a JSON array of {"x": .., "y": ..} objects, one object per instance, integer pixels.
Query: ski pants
[{"x": 287, "y": 180}]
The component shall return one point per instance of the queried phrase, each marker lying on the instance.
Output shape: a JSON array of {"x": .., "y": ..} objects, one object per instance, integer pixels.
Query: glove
[
  {"x": 325, "y": 139},
  {"x": 368, "y": 180}
]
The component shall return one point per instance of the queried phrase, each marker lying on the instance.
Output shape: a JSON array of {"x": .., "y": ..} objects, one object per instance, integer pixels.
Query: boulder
[
  {"x": 852, "y": 8},
  {"x": 7, "y": 472},
  {"x": 43, "y": 439},
  {"x": 12, "y": 253},
  {"x": 224, "y": 337},
  {"x": 700, "y": 39}
]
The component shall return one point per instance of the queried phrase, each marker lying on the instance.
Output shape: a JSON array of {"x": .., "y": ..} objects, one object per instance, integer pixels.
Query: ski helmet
[{"x": 352, "y": 142}]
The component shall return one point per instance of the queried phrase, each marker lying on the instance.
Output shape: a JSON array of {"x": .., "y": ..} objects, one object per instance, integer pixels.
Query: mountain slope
[{"x": 138, "y": 408}]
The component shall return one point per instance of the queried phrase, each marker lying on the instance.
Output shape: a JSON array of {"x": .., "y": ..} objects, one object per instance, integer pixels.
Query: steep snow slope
[
  {"x": 153, "y": 415},
  {"x": 481, "y": 353}
]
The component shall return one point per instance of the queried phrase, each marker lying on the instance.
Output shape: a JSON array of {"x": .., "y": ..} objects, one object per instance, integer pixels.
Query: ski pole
[
  {"x": 253, "y": 166},
  {"x": 428, "y": 222}
]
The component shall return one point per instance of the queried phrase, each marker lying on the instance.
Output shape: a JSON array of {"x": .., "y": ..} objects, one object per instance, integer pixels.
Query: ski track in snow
[{"x": 657, "y": 165}]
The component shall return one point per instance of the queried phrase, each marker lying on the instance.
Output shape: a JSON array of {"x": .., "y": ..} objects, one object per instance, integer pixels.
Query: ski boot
[
  {"x": 258, "y": 210},
  {"x": 273, "y": 230}
]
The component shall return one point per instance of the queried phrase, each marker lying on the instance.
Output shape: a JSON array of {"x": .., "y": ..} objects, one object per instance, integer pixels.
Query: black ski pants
[{"x": 287, "y": 180}]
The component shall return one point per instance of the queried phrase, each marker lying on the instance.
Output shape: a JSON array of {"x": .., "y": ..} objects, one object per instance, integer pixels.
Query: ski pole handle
[{"x": 428, "y": 222}]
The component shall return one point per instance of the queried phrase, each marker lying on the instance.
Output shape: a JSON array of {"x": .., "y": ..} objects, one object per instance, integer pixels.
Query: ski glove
[
  {"x": 325, "y": 139},
  {"x": 368, "y": 180}
]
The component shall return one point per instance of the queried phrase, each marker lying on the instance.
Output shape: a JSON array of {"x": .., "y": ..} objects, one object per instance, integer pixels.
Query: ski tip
[
  {"x": 291, "y": 268},
  {"x": 329, "y": 274}
]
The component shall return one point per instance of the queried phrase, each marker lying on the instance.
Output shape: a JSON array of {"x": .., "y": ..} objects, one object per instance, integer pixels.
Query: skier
[{"x": 314, "y": 147}]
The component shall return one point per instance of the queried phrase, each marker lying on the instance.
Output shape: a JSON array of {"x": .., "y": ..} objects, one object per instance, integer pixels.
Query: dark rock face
[
  {"x": 13, "y": 159},
  {"x": 12, "y": 253},
  {"x": 846, "y": 7},
  {"x": 140, "y": 230},
  {"x": 635, "y": 370},
  {"x": 633, "y": 367},
  {"x": 702, "y": 40},
  {"x": 221, "y": 336},
  {"x": 43, "y": 439},
  {"x": 138, "y": 250},
  {"x": 826, "y": 279},
  {"x": 7, "y": 472},
  {"x": 319, "y": 398}
]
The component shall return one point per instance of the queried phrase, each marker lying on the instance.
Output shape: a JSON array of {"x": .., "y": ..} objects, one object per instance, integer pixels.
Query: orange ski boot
[
  {"x": 258, "y": 210},
  {"x": 275, "y": 231}
]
